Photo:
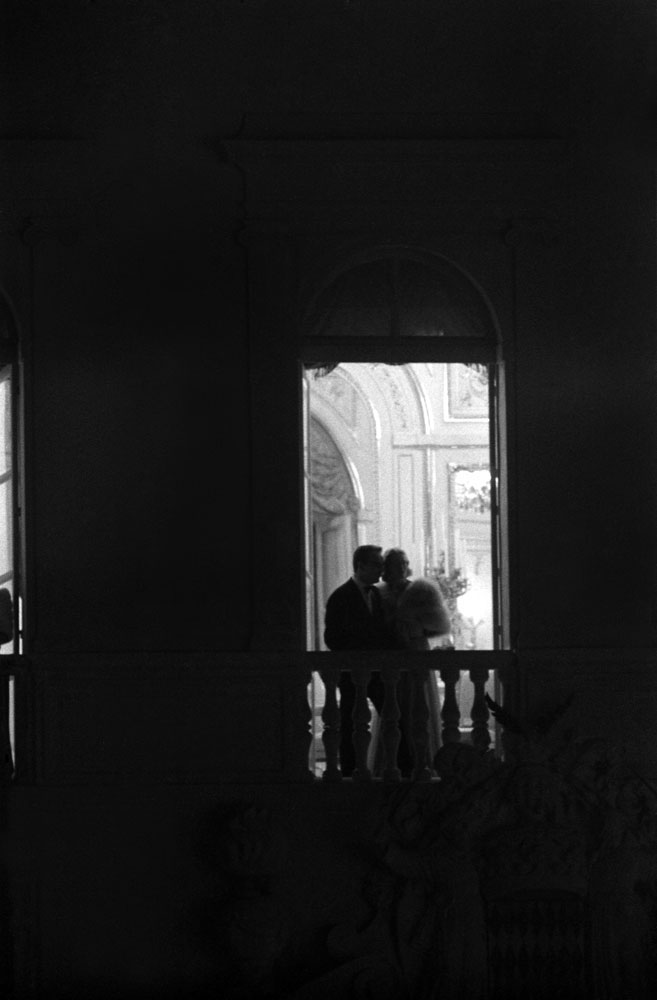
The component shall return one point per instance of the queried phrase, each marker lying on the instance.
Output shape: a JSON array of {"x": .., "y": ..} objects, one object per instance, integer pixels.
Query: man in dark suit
[{"x": 355, "y": 620}]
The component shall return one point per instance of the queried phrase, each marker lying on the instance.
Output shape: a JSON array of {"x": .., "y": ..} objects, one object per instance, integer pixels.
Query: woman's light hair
[{"x": 390, "y": 557}]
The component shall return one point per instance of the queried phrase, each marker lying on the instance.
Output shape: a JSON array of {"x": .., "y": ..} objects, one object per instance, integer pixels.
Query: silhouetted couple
[{"x": 397, "y": 614}]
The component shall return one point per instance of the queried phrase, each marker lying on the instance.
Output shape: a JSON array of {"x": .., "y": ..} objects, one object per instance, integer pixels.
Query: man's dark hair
[{"x": 365, "y": 553}]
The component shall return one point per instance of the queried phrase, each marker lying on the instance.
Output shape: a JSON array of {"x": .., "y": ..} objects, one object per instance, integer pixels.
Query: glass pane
[
  {"x": 399, "y": 295},
  {"x": 6, "y": 555},
  {"x": 357, "y": 304},
  {"x": 5, "y": 532},
  {"x": 398, "y": 456},
  {"x": 469, "y": 537},
  {"x": 432, "y": 304},
  {"x": 5, "y": 425},
  {"x": 6, "y": 523}
]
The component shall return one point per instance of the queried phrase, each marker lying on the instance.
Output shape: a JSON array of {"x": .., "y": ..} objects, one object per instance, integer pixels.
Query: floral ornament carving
[
  {"x": 240, "y": 855},
  {"x": 396, "y": 397},
  {"x": 341, "y": 396},
  {"x": 468, "y": 392},
  {"x": 545, "y": 863}
]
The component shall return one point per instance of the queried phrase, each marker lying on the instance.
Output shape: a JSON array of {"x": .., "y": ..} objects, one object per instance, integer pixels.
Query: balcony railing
[
  {"x": 486, "y": 672},
  {"x": 272, "y": 689}
]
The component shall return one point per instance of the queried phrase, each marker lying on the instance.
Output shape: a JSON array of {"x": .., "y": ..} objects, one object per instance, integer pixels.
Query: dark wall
[
  {"x": 138, "y": 343},
  {"x": 139, "y": 419},
  {"x": 147, "y": 257}
]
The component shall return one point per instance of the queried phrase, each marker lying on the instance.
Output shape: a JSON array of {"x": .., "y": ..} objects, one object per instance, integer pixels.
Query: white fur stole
[{"x": 422, "y": 604}]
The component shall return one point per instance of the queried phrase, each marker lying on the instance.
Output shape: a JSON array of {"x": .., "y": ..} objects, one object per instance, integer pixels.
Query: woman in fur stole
[{"x": 416, "y": 612}]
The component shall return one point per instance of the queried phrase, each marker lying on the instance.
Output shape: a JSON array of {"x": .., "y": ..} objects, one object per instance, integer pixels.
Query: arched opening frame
[{"x": 404, "y": 306}]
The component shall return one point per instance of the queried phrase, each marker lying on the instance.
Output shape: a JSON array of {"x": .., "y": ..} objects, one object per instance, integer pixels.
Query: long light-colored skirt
[{"x": 376, "y": 757}]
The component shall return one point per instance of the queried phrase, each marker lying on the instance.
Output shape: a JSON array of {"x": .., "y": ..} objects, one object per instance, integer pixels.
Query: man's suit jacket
[{"x": 351, "y": 625}]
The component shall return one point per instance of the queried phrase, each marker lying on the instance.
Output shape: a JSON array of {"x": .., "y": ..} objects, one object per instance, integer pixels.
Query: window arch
[
  {"x": 405, "y": 306},
  {"x": 395, "y": 293}
]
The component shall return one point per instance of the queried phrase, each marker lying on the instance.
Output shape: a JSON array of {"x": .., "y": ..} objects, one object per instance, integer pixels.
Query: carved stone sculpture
[{"x": 528, "y": 877}]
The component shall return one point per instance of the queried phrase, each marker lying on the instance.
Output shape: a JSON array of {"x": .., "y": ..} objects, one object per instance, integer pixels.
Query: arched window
[
  {"x": 399, "y": 292},
  {"x": 403, "y": 373}
]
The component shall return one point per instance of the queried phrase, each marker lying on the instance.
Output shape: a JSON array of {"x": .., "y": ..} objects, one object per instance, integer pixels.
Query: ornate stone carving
[
  {"x": 396, "y": 397},
  {"x": 332, "y": 494},
  {"x": 467, "y": 392},
  {"x": 341, "y": 395},
  {"x": 533, "y": 876},
  {"x": 242, "y": 918},
  {"x": 514, "y": 878}
]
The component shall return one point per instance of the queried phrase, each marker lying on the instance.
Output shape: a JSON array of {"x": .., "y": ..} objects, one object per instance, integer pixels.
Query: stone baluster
[
  {"x": 361, "y": 716},
  {"x": 390, "y": 717},
  {"x": 331, "y": 720},
  {"x": 451, "y": 713},
  {"x": 298, "y": 735},
  {"x": 420, "y": 724},
  {"x": 479, "y": 712}
]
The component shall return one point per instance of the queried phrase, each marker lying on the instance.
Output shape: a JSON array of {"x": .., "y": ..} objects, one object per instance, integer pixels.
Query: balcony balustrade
[{"x": 464, "y": 712}]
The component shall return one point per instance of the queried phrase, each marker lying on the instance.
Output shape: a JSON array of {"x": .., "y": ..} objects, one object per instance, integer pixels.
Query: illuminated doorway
[{"x": 399, "y": 455}]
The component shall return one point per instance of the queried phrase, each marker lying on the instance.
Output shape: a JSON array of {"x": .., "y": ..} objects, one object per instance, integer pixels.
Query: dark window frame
[{"x": 316, "y": 351}]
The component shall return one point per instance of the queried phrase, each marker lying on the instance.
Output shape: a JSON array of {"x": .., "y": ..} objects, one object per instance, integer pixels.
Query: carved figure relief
[
  {"x": 332, "y": 493},
  {"x": 520, "y": 878},
  {"x": 535, "y": 877}
]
